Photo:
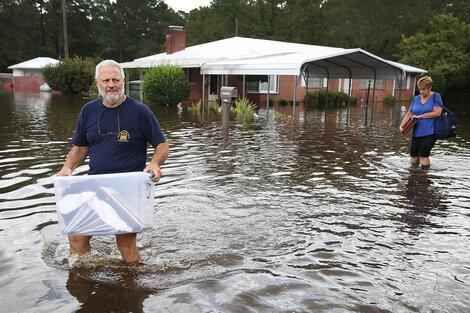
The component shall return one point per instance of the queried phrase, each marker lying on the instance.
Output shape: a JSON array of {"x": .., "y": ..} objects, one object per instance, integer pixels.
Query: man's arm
[
  {"x": 159, "y": 156},
  {"x": 76, "y": 157}
]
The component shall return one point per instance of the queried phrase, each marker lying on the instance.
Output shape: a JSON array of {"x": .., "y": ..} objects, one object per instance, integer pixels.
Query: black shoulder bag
[{"x": 445, "y": 125}]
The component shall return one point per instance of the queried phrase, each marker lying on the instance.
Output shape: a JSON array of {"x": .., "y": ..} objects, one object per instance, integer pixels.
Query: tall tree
[
  {"x": 301, "y": 21},
  {"x": 19, "y": 31},
  {"x": 373, "y": 25},
  {"x": 64, "y": 29},
  {"x": 443, "y": 46}
]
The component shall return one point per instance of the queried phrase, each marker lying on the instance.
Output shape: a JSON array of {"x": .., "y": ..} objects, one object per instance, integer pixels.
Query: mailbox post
[{"x": 228, "y": 96}]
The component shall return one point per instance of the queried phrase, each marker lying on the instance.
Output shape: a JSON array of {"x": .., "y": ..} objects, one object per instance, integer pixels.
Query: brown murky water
[{"x": 325, "y": 216}]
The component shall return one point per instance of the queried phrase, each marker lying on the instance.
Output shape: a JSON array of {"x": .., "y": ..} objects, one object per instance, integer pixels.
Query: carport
[{"x": 346, "y": 63}]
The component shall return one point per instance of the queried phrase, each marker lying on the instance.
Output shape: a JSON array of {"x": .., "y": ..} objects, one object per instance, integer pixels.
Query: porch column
[
  {"x": 203, "y": 92},
  {"x": 295, "y": 94},
  {"x": 141, "y": 92},
  {"x": 244, "y": 83},
  {"x": 267, "y": 97}
]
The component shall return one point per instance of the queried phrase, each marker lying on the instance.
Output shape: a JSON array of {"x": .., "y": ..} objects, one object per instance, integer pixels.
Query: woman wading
[{"x": 425, "y": 107}]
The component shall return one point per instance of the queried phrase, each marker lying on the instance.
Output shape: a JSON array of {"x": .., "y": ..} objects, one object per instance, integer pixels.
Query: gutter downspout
[
  {"x": 267, "y": 96},
  {"x": 296, "y": 82},
  {"x": 327, "y": 84},
  {"x": 203, "y": 93},
  {"x": 350, "y": 81},
  {"x": 141, "y": 92},
  {"x": 375, "y": 80}
]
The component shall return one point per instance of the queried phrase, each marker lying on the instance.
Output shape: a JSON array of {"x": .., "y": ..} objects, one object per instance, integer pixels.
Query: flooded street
[{"x": 326, "y": 216}]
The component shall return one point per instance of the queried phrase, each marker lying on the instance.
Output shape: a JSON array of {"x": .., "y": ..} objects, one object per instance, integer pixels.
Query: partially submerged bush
[
  {"x": 70, "y": 75},
  {"x": 334, "y": 97},
  {"x": 389, "y": 100},
  {"x": 244, "y": 110},
  {"x": 283, "y": 102},
  {"x": 166, "y": 85}
]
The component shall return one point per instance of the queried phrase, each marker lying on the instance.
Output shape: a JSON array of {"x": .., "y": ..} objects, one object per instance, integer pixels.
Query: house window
[
  {"x": 259, "y": 84},
  {"x": 406, "y": 84},
  {"x": 191, "y": 75},
  {"x": 313, "y": 82},
  {"x": 379, "y": 83}
]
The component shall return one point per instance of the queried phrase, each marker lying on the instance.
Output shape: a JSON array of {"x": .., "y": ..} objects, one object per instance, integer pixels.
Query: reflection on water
[
  {"x": 424, "y": 200},
  {"x": 96, "y": 297},
  {"x": 325, "y": 215}
]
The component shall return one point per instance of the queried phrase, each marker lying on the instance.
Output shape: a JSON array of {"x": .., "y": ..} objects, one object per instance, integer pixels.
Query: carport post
[
  {"x": 141, "y": 92},
  {"x": 295, "y": 94},
  {"x": 203, "y": 92},
  {"x": 127, "y": 82},
  {"x": 267, "y": 97},
  {"x": 326, "y": 98},
  {"x": 373, "y": 94},
  {"x": 244, "y": 83},
  {"x": 306, "y": 76}
]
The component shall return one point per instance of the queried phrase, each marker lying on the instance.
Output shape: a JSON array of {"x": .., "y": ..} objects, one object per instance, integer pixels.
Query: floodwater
[{"x": 323, "y": 216}]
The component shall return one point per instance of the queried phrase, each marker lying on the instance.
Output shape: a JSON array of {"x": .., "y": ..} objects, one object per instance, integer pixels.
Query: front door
[{"x": 213, "y": 88}]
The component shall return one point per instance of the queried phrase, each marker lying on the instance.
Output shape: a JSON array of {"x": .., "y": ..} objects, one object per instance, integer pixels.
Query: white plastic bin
[{"x": 105, "y": 204}]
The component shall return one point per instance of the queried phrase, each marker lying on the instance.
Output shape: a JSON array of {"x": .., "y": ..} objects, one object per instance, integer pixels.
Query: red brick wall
[
  {"x": 31, "y": 83},
  {"x": 286, "y": 90}
]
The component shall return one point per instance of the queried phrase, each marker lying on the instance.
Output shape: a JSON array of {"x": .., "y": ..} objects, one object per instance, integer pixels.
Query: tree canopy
[
  {"x": 443, "y": 46},
  {"x": 124, "y": 30}
]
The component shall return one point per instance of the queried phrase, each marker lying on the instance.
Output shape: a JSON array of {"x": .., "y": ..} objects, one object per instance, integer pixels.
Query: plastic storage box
[{"x": 104, "y": 204}]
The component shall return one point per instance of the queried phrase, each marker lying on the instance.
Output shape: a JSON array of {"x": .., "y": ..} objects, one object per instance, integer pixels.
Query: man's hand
[
  {"x": 159, "y": 156},
  {"x": 155, "y": 170},
  {"x": 76, "y": 157},
  {"x": 65, "y": 172}
]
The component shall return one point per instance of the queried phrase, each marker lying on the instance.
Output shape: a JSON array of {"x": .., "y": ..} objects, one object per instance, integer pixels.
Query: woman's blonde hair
[{"x": 425, "y": 82}]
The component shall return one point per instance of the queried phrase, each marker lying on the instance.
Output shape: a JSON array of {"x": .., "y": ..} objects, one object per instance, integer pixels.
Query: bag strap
[{"x": 434, "y": 100}]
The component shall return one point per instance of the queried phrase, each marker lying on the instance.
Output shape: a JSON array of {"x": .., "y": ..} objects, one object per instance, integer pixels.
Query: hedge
[
  {"x": 70, "y": 75},
  {"x": 165, "y": 85}
]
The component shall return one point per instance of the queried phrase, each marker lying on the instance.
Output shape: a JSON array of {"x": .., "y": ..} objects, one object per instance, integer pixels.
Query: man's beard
[{"x": 111, "y": 99}]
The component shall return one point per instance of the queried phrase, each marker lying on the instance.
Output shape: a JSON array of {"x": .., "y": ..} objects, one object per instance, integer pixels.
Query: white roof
[
  {"x": 248, "y": 56},
  {"x": 36, "y": 63}
]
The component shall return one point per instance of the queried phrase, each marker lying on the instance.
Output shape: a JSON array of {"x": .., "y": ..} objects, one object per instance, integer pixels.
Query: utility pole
[{"x": 64, "y": 26}]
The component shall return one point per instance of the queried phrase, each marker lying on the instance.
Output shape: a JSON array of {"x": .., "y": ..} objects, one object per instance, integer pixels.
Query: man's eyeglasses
[{"x": 118, "y": 124}]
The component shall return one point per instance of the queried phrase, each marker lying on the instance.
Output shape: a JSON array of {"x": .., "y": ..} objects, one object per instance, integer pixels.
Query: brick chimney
[{"x": 175, "y": 39}]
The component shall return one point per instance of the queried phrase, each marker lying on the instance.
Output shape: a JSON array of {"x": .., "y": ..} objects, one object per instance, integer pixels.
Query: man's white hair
[{"x": 108, "y": 63}]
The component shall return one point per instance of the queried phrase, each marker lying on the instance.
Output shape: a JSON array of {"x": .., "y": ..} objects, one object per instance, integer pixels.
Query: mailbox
[{"x": 228, "y": 94}]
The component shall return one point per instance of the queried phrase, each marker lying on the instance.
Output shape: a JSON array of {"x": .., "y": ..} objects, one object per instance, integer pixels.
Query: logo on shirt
[{"x": 124, "y": 136}]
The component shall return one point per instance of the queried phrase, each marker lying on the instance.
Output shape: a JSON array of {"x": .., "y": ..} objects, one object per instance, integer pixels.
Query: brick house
[{"x": 292, "y": 69}]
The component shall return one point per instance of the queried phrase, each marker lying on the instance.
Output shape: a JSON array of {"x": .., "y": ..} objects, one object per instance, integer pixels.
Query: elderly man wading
[{"x": 114, "y": 131}]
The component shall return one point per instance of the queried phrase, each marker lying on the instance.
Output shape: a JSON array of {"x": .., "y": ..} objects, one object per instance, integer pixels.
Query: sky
[{"x": 186, "y": 5}]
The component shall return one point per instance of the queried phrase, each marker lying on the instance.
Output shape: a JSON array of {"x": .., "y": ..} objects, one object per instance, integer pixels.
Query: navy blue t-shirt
[{"x": 117, "y": 137}]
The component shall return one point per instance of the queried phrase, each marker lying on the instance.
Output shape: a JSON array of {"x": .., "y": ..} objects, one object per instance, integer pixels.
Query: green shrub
[
  {"x": 282, "y": 116},
  {"x": 165, "y": 85},
  {"x": 244, "y": 110},
  {"x": 283, "y": 103},
  {"x": 390, "y": 100},
  {"x": 291, "y": 103},
  {"x": 334, "y": 97},
  {"x": 70, "y": 75},
  {"x": 196, "y": 108}
]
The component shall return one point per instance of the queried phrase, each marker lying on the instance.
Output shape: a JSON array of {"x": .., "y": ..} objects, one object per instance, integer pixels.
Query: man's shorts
[{"x": 421, "y": 146}]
